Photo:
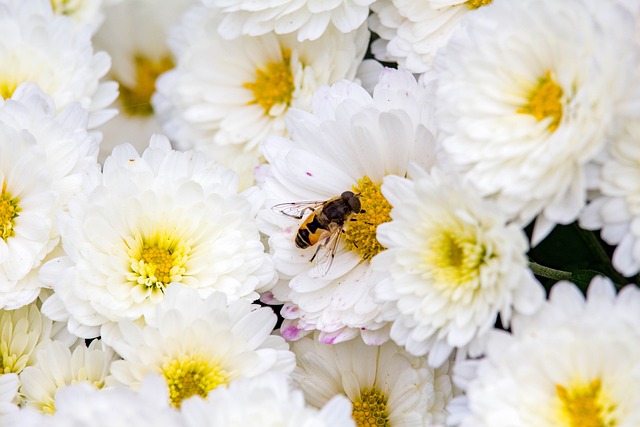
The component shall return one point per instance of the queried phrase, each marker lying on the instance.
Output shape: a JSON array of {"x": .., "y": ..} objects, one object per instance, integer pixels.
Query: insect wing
[
  {"x": 297, "y": 209},
  {"x": 326, "y": 252}
]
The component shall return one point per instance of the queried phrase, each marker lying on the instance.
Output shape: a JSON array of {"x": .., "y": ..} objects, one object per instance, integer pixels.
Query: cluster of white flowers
[{"x": 268, "y": 229}]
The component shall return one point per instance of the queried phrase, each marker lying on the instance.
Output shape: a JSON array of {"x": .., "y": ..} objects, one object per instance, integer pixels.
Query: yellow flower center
[
  {"x": 585, "y": 406},
  {"x": 9, "y": 211},
  {"x": 65, "y": 7},
  {"x": 10, "y": 362},
  {"x": 545, "y": 101},
  {"x": 360, "y": 234},
  {"x": 454, "y": 255},
  {"x": 136, "y": 100},
  {"x": 474, "y": 4},
  {"x": 156, "y": 261},
  {"x": 273, "y": 85},
  {"x": 371, "y": 409},
  {"x": 7, "y": 87},
  {"x": 187, "y": 376}
]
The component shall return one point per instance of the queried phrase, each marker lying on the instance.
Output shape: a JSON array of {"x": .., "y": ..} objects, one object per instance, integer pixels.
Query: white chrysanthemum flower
[
  {"x": 147, "y": 221},
  {"x": 454, "y": 264},
  {"x": 48, "y": 50},
  {"x": 411, "y": 32},
  {"x": 22, "y": 332},
  {"x": 134, "y": 34},
  {"x": 81, "y": 12},
  {"x": 386, "y": 385},
  {"x": 224, "y": 97},
  {"x": 198, "y": 344},
  {"x": 308, "y": 19},
  {"x": 56, "y": 367},
  {"x": 574, "y": 363},
  {"x": 83, "y": 405},
  {"x": 27, "y": 210},
  {"x": 524, "y": 104},
  {"x": 616, "y": 210},
  {"x": 265, "y": 401},
  {"x": 350, "y": 143},
  {"x": 68, "y": 152}
]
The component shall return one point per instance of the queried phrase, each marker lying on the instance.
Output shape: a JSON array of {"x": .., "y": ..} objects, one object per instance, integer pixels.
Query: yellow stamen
[
  {"x": 156, "y": 261},
  {"x": 474, "y": 4},
  {"x": 371, "y": 409},
  {"x": 585, "y": 406},
  {"x": 66, "y": 7},
  {"x": 545, "y": 101},
  {"x": 454, "y": 256},
  {"x": 187, "y": 376},
  {"x": 9, "y": 211},
  {"x": 360, "y": 234},
  {"x": 274, "y": 85},
  {"x": 10, "y": 361},
  {"x": 7, "y": 87},
  {"x": 136, "y": 100}
]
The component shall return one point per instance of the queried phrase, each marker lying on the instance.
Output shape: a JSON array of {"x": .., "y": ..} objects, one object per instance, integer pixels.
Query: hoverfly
[{"x": 324, "y": 217}]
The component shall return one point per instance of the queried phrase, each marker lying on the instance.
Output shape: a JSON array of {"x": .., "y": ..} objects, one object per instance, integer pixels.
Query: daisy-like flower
[
  {"x": 411, "y": 32},
  {"x": 454, "y": 265},
  {"x": 81, "y": 12},
  {"x": 386, "y": 385},
  {"x": 224, "y": 97},
  {"x": 134, "y": 34},
  {"x": 617, "y": 208},
  {"x": 55, "y": 171},
  {"x": 22, "y": 332},
  {"x": 27, "y": 209},
  {"x": 523, "y": 104},
  {"x": 350, "y": 142},
  {"x": 572, "y": 364},
  {"x": 83, "y": 405},
  {"x": 56, "y": 367},
  {"x": 308, "y": 19},
  {"x": 147, "y": 221},
  {"x": 265, "y": 401},
  {"x": 48, "y": 50},
  {"x": 198, "y": 344}
]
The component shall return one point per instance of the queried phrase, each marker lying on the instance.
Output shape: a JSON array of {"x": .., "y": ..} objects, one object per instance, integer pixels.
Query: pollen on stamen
[
  {"x": 545, "y": 101},
  {"x": 475, "y": 4},
  {"x": 453, "y": 254},
  {"x": 9, "y": 211},
  {"x": 191, "y": 375},
  {"x": 585, "y": 406},
  {"x": 273, "y": 85},
  {"x": 370, "y": 410},
  {"x": 156, "y": 261},
  {"x": 360, "y": 233}
]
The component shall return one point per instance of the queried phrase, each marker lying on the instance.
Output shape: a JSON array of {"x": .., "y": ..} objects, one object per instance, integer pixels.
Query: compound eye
[{"x": 354, "y": 203}]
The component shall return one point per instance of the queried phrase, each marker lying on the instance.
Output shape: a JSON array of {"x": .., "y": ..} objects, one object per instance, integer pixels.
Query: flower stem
[
  {"x": 594, "y": 245},
  {"x": 549, "y": 273}
]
